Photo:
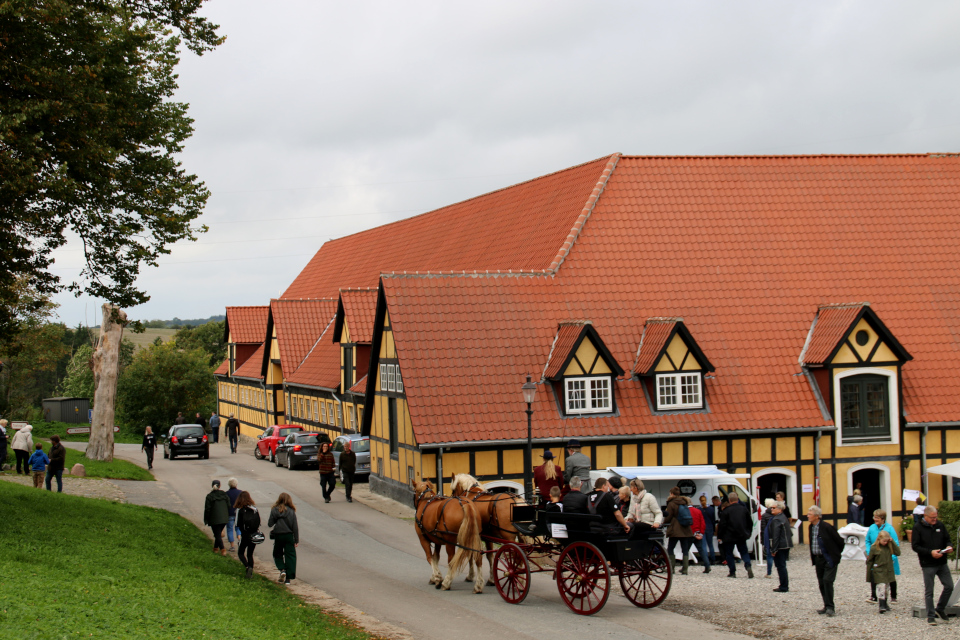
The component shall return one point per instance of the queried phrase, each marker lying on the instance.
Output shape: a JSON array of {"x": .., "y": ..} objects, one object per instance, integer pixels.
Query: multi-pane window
[
  {"x": 339, "y": 415},
  {"x": 323, "y": 411},
  {"x": 864, "y": 408},
  {"x": 588, "y": 395},
  {"x": 390, "y": 379},
  {"x": 294, "y": 409},
  {"x": 316, "y": 414},
  {"x": 679, "y": 391}
]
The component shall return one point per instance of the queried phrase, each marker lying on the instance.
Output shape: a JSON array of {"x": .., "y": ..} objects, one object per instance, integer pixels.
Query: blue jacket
[
  {"x": 39, "y": 460},
  {"x": 872, "y": 537},
  {"x": 709, "y": 519}
]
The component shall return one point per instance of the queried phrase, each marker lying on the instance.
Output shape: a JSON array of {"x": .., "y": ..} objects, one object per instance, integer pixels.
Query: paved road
[{"x": 373, "y": 561}]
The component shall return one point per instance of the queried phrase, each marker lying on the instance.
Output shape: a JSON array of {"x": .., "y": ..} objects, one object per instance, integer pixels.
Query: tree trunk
[{"x": 106, "y": 369}]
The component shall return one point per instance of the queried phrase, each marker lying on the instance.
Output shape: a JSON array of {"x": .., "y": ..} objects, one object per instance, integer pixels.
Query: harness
[
  {"x": 437, "y": 532},
  {"x": 494, "y": 522}
]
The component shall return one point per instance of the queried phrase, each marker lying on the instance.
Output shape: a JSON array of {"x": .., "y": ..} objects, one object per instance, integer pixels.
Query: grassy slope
[
  {"x": 148, "y": 336},
  {"x": 81, "y": 567},
  {"x": 117, "y": 469}
]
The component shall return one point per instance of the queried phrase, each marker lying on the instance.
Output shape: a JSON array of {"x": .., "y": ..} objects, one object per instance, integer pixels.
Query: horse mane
[{"x": 462, "y": 483}]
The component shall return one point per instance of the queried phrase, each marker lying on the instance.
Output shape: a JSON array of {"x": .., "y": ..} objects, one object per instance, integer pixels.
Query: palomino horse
[
  {"x": 494, "y": 511},
  {"x": 453, "y": 523}
]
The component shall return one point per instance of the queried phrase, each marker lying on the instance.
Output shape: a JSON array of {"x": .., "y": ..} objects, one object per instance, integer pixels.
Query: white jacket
[
  {"x": 23, "y": 440},
  {"x": 644, "y": 508}
]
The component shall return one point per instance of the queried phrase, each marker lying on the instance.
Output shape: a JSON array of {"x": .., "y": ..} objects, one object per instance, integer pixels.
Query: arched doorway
[
  {"x": 873, "y": 480},
  {"x": 770, "y": 481},
  {"x": 504, "y": 486}
]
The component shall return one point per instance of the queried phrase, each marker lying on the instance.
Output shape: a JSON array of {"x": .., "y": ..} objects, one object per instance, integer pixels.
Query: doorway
[
  {"x": 770, "y": 484},
  {"x": 869, "y": 483}
]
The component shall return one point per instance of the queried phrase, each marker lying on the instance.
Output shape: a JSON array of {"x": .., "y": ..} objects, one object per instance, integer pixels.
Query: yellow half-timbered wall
[{"x": 677, "y": 357}]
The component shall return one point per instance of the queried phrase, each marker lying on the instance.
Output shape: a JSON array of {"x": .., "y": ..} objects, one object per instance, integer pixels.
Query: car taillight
[
  {"x": 204, "y": 438},
  {"x": 173, "y": 439},
  {"x": 297, "y": 447}
]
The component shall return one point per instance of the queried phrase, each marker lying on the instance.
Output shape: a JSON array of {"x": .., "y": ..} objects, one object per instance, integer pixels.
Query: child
[
  {"x": 880, "y": 566},
  {"x": 38, "y": 463},
  {"x": 554, "y": 504}
]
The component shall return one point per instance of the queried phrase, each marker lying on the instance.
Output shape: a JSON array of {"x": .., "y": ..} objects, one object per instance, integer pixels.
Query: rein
[{"x": 437, "y": 532}]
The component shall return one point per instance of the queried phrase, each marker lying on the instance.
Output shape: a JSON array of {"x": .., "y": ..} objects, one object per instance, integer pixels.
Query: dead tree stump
[{"x": 106, "y": 369}]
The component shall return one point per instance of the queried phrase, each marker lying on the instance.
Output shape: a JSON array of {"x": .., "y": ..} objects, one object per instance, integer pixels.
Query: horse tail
[{"x": 468, "y": 539}]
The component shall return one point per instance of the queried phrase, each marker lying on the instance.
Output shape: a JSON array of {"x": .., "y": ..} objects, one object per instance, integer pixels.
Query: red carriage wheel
[
  {"x": 583, "y": 578},
  {"x": 511, "y": 573},
  {"x": 646, "y": 581}
]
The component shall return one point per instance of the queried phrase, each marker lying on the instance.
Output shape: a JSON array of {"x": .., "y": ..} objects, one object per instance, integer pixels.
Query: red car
[{"x": 267, "y": 441}]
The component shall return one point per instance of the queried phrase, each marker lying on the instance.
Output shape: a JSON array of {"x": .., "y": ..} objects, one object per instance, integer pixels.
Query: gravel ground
[
  {"x": 751, "y": 607},
  {"x": 86, "y": 487}
]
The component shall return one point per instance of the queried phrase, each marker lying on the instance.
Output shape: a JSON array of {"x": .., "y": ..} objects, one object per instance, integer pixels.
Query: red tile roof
[
  {"x": 359, "y": 308},
  {"x": 360, "y": 386},
  {"x": 526, "y": 226},
  {"x": 831, "y": 324},
  {"x": 652, "y": 342},
  {"x": 567, "y": 334},
  {"x": 223, "y": 369},
  {"x": 745, "y": 249},
  {"x": 321, "y": 367},
  {"x": 253, "y": 367},
  {"x": 247, "y": 325},
  {"x": 298, "y": 323}
]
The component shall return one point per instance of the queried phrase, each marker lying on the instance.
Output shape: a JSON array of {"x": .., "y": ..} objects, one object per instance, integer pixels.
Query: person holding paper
[{"x": 931, "y": 542}]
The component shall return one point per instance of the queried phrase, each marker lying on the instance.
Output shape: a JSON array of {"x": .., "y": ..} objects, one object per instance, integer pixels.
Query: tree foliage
[
  {"x": 208, "y": 337},
  {"x": 88, "y": 140},
  {"x": 162, "y": 380},
  {"x": 78, "y": 382}
]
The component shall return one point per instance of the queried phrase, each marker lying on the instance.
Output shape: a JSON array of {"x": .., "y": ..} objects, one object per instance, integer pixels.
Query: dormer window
[
  {"x": 679, "y": 391},
  {"x": 671, "y": 366},
  {"x": 582, "y": 370}
]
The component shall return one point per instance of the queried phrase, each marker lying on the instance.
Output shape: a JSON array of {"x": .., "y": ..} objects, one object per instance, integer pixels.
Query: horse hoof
[
  {"x": 475, "y": 590},
  {"x": 489, "y": 583},
  {"x": 439, "y": 585}
]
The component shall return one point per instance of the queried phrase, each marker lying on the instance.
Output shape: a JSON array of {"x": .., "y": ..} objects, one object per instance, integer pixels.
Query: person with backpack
[
  {"x": 679, "y": 521},
  {"x": 735, "y": 528},
  {"x": 248, "y": 522}
]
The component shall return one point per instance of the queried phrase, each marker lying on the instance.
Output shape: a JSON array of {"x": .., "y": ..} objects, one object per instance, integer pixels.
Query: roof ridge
[
  {"x": 930, "y": 154},
  {"x": 585, "y": 213},
  {"x": 664, "y": 319},
  {"x": 473, "y": 274},
  {"x": 248, "y": 306},
  {"x": 843, "y": 305},
  {"x": 272, "y": 300}
]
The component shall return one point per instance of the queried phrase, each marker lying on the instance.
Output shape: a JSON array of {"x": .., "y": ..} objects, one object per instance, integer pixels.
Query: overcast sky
[{"x": 319, "y": 119}]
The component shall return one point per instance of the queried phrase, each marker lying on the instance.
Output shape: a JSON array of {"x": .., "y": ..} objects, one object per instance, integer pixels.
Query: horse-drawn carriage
[{"x": 520, "y": 540}]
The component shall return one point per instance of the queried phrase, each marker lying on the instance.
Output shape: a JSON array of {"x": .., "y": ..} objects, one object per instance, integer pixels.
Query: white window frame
[
  {"x": 588, "y": 397},
  {"x": 893, "y": 397},
  {"x": 391, "y": 378},
  {"x": 383, "y": 377},
  {"x": 399, "y": 379},
  {"x": 677, "y": 378},
  {"x": 323, "y": 411}
]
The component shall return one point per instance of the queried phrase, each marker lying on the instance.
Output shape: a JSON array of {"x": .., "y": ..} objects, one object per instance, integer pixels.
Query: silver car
[{"x": 361, "y": 447}]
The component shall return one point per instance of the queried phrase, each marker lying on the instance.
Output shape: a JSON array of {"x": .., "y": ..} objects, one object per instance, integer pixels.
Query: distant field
[{"x": 148, "y": 336}]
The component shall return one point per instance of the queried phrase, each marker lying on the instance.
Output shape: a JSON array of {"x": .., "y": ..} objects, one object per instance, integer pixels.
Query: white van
[{"x": 693, "y": 480}]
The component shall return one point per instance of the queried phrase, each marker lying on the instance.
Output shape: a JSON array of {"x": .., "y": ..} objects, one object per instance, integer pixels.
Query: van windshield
[{"x": 727, "y": 488}]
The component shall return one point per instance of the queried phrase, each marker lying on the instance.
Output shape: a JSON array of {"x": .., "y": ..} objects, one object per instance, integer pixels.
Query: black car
[
  {"x": 186, "y": 440},
  {"x": 299, "y": 449}
]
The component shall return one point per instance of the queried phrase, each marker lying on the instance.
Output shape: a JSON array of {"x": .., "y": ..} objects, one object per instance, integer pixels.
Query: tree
[
  {"x": 78, "y": 382},
  {"x": 209, "y": 337},
  {"x": 88, "y": 141},
  {"x": 162, "y": 380}
]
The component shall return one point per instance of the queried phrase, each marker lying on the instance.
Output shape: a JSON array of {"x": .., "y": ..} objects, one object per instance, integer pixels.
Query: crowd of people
[
  {"x": 32, "y": 460},
  {"x": 626, "y": 507}
]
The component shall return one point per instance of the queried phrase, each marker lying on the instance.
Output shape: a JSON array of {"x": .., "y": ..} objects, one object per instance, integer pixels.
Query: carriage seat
[{"x": 578, "y": 522}]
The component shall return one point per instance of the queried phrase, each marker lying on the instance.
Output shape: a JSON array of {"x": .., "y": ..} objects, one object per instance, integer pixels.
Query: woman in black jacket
[
  {"x": 149, "y": 445},
  {"x": 58, "y": 459},
  {"x": 248, "y": 521},
  {"x": 286, "y": 537}
]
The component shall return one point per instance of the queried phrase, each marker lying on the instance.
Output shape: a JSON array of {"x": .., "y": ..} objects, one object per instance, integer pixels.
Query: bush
[{"x": 949, "y": 514}]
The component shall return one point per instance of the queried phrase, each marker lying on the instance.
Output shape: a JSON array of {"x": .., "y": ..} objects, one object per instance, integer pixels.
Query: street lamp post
[{"x": 529, "y": 394}]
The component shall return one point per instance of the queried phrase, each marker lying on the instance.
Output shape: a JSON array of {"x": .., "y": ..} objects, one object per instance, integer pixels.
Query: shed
[{"x": 71, "y": 410}]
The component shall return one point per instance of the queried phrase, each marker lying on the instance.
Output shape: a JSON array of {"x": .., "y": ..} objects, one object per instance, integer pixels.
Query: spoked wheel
[
  {"x": 583, "y": 578},
  {"x": 646, "y": 581},
  {"x": 511, "y": 573}
]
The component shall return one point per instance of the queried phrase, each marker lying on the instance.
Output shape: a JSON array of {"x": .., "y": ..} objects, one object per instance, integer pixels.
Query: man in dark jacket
[
  {"x": 179, "y": 419},
  {"x": 233, "y": 431},
  {"x": 735, "y": 528},
  {"x": 854, "y": 515},
  {"x": 577, "y": 465},
  {"x": 58, "y": 458},
  {"x": 780, "y": 543},
  {"x": 575, "y": 501},
  {"x": 348, "y": 467},
  {"x": 710, "y": 514},
  {"x": 931, "y": 542},
  {"x": 826, "y": 547},
  {"x": 216, "y": 514}
]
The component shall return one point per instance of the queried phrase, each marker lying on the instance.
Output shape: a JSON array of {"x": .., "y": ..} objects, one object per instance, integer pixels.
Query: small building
[{"x": 71, "y": 410}]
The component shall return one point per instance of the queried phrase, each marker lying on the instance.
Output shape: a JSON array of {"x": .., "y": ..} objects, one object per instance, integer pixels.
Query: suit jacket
[
  {"x": 831, "y": 544},
  {"x": 575, "y": 502}
]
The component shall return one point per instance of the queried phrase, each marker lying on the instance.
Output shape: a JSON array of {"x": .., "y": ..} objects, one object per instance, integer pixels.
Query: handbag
[
  {"x": 272, "y": 537},
  {"x": 258, "y": 537}
]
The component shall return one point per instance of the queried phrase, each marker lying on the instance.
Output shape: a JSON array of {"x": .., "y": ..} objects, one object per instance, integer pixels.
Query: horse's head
[
  {"x": 462, "y": 483},
  {"x": 422, "y": 489}
]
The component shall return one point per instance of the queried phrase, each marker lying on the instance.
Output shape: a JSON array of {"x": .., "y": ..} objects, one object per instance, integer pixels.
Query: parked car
[
  {"x": 185, "y": 440},
  {"x": 299, "y": 449},
  {"x": 272, "y": 436},
  {"x": 361, "y": 447}
]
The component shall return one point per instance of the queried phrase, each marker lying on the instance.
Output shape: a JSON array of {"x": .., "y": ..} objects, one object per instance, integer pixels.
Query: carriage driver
[{"x": 576, "y": 464}]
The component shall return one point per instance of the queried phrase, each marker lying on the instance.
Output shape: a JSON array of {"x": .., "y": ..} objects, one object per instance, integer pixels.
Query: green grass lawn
[
  {"x": 47, "y": 429},
  {"x": 92, "y": 568},
  {"x": 117, "y": 469}
]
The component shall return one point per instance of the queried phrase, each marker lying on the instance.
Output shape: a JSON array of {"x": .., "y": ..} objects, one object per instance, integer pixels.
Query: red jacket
[{"x": 699, "y": 525}]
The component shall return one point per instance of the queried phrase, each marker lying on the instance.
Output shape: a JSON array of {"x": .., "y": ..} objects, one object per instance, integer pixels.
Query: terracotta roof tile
[
  {"x": 652, "y": 342},
  {"x": 831, "y": 324},
  {"x": 360, "y": 386},
  {"x": 223, "y": 369},
  {"x": 359, "y": 309},
  {"x": 247, "y": 325},
  {"x": 567, "y": 334},
  {"x": 321, "y": 367},
  {"x": 745, "y": 249},
  {"x": 253, "y": 367},
  {"x": 298, "y": 323}
]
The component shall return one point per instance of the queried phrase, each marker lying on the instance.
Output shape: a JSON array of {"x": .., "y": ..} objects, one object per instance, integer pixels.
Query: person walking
[
  {"x": 214, "y": 425},
  {"x": 38, "y": 462},
  {"x": 880, "y": 565},
  {"x": 699, "y": 528},
  {"x": 328, "y": 467},
  {"x": 232, "y": 494},
  {"x": 22, "y": 446},
  {"x": 678, "y": 521},
  {"x": 780, "y": 537},
  {"x": 643, "y": 507},
  {"x": 879, "y": 525},
  {"x": 179, "y": 419},
  {"x": 231, "y": 430},
  {"x": 3, "y": 443},
  {"x": 765, "y": 533},
  {"x": 58, "y": 459},
  {"x": 826, "y": 547},
  {"x": 203, "y": 423},
  {"x": 710, "y": 526},
  {"x": 216, "y": 514},
  {"x": 149, "y": 446},
  {"x": 348, "y": 467},
  {"x": 577, "y": 465},
  {"x": 248, "y": 523},
  {"x": 735, "y": 528},
  {"x": 931, "y": 542},
  {"x": 854, "y": 514},
  {"x": 286, "y": 537},
  {"x": 547, "y": 476}
]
